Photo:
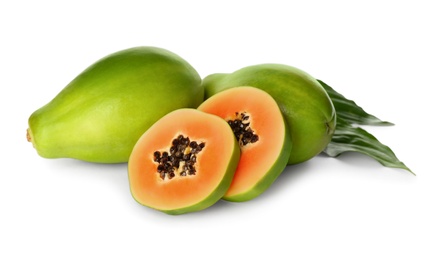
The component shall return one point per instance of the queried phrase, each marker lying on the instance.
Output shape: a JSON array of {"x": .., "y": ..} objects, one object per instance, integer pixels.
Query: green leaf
[
  {"x": 349, "y": 111},
  {"x": 348, "y": 138}
]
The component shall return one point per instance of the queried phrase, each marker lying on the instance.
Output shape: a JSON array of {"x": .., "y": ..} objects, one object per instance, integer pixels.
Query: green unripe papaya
[
  {"x": 99, "y": 115},
  {"x": 307, "y": 108}
]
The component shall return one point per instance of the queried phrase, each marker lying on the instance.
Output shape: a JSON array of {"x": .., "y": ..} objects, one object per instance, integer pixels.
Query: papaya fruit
[
  {"x": 306, "y": 106},
  {"x": 184, "y": 162},
  {"x": 263, "y": 136},
  {"x": 100, "y": 114}
]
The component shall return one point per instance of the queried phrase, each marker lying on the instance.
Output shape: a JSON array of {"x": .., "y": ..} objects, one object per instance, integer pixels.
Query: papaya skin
[
  {"x": 99, "y": 115},
  {"x": 307, "y": 108}
]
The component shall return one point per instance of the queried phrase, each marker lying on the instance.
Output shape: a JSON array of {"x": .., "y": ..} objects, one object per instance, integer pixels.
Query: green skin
[
  {"x": 306, "y": 106},
  {"x": 99, "y": 116}
]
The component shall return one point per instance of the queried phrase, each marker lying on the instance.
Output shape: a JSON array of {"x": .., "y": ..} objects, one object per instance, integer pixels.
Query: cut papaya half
[
  {"x": 185, "y": 162},
  {"x": 262, "y": 134}
]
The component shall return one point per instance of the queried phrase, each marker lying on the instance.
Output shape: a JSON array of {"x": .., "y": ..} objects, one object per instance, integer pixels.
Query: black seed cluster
[
  {"x": 242, "y": 130},
  {"x": 182, "y": 150}
]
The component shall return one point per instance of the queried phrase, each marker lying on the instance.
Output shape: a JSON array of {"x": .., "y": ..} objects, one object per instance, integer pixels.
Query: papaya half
[
  {"x": 264, "y": 139},
  {"x": 306, "y": 107},
  {"x": 99, "y": 115},
  {"x": 185, "y": 162}
]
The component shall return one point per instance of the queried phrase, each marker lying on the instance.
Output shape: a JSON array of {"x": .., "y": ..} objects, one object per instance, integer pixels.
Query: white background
[{"x": 385, "y": 55}]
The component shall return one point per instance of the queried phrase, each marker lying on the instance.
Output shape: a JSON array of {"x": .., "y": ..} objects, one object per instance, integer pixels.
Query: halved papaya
[
  {"x": 259, "y": 127},
  {"x": 185, "y": 162}
]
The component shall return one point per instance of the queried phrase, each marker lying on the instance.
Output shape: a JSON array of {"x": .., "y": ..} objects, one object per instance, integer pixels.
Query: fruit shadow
[
  {"x": 114, "y": 174},
  {"x": 291, "y": 175}
]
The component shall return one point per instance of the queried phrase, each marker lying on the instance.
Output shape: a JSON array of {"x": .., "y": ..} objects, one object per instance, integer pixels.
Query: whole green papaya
[
  {"x": 99, "y": 115},
  {"x": 306, "y": 106}
]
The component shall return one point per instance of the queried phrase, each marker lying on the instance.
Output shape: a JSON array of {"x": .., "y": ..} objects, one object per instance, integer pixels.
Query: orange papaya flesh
[
  {"x": 262, "y": 133},
  {"x": 185, "y": 162}
]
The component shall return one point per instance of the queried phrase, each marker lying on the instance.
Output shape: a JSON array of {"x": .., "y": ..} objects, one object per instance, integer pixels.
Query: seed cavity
[
  {"x": 180, "y": 158},
  {"x": 242, "y": 130}
]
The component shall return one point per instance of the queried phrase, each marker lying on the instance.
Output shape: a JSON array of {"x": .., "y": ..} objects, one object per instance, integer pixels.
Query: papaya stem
[{"x": 28, "y": 135}]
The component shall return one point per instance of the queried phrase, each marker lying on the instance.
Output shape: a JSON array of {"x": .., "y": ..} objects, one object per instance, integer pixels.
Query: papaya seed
[
  {"x": 242, "y": 130},
  {"x": 182, "y": 150}
]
